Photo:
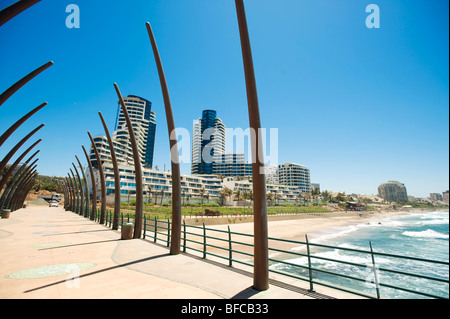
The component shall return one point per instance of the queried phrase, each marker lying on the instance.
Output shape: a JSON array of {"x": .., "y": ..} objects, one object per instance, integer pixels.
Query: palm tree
[
  {"x": 238, "y": 194},
  {"x": 275, "y": 197},
  {"x": 307, "y": 197},
  {"x": 202, "y": 192},
  {"x": 162, "y": 195},
  {"x": 269, "y": 197},
  {"x": 326, "y": 195},
  {"x": 149, "y": 193},
  {"x": 156, "y": 196},
  {"x": 225, "y": 192}
]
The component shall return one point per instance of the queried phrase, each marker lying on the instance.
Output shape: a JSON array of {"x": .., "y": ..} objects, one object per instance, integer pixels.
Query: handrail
[
  {"x": 198, "y": 242},
  {"x": 206, "y": 235}
]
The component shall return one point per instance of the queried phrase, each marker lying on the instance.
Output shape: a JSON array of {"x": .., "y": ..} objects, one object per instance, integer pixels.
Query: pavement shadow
[{"x": 101, "y": 271}]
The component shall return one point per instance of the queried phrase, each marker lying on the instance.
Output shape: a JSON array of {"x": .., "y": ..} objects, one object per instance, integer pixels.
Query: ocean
[{"x": 421, "y": 235}]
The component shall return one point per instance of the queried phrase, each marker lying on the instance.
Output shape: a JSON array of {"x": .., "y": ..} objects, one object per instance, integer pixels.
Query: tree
[
  {"x": 225, "y": 192},
  {"x": 269, "y": 197},
  {"x": 156, "y": 196},
  {"x": 326, "y": 195},
  {"x": 202, "y": 192},
  {"x": 340, "y": 197},
  {"x": 162, "y": 195},
  {"x": 238, "y": 194}
]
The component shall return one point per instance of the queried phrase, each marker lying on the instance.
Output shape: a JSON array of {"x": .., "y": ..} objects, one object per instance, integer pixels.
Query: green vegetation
[
  {"x": 165, "y": 212},
  {"x": 49, "y": 183}
]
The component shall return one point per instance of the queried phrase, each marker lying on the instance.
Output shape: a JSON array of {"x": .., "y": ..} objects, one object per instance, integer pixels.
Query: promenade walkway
[{"x": 54, "y": 254}]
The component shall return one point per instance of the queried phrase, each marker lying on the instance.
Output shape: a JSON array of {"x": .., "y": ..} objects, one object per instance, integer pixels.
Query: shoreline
[{"x": 314, "y": 226}]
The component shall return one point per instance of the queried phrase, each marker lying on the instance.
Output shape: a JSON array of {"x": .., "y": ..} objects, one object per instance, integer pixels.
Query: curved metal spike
[
  {"x": 261, "y": 255},
  {"x": 14, "y": 127},
  {"x": 14, "y": 9},
  {"x": 176, "y": 177},
  {"x": 13, "y": 188},
  {"x": 116, "y": 175},
  {"x": 18, "y": 145},
  {"x": 139, "y": 213},
  {"x": 72, "y": 194},
  {"x": 14, "y": 165},
  {"x": 94, "y": 186},
  {"x": 86, "y": 192},
  {"x": 16, "y": 86},
  {"x": 11, "y": 184},
  {"x": 76, "y": 193},
  {"x": 81, "y": 211},
  {"x": 102, "y": 181}
]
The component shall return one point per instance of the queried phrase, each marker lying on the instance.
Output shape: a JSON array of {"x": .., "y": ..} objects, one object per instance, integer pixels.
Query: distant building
[
  {"x": 208, "y": 142},
  {"x": 436, "y": 196},
  {"x": 231, "y": 164},
  {"x": 157, "y": 183},
  {"x": 393, "y": 191},
  {"x": 144, "y": 127},
  {"x": 294, "y": 175},
  {"x": 315, "y": 186},
  {"x": 445, "y": 196},
  {"x": 271, "y": 172}
]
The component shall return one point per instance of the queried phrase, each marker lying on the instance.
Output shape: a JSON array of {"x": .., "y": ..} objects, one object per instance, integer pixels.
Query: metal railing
[
  {"x": 227, "y": 245},
  {"x": 209, "y": 242}
]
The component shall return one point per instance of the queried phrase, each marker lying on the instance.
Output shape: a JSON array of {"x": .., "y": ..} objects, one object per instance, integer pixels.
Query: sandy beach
[{"x": 294, "y": 227}]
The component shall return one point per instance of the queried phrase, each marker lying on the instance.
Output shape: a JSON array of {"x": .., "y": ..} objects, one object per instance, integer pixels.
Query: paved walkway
[{"x": 50, "y": 253}]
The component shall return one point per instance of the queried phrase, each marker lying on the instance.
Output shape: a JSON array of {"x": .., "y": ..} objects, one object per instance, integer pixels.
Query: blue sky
[{"x": 357, "y": 106}]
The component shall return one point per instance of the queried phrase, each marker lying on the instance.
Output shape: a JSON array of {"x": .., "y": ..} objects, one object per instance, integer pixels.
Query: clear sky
[{"x": 357, "y": 106}]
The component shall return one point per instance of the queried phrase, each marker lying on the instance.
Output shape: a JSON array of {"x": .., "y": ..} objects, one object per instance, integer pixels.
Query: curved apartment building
[{"x": 144, "y": 126}]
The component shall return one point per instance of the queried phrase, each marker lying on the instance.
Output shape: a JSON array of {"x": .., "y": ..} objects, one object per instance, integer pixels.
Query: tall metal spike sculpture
[
  {"x": 66, "y": 194},
  {"x": 116, "y": 175},
  {"x": 94, "y": 186},
  {"x": 16, "y": 86},
  {"x": 14, "y": 9},
  {"x": 14, "y": 165},
  {"x": 16, "y": 183},
  {"x": 72, "y": 194},
  {"x": 176, "y": 177},
  {"x": 69, "y": 193},
  {"x": 102, "y": 181},
  {"x": 76, "y": 193},
  {"x": 14, "y": 127},
  {"x": 81, "y": 188},
  {"x": 86, "y": 189},
  {"x": 12, "y": 183},
  {"x": 26, "y": 189},
  {"x": 17, "y": 146},
  {"x": 21, "y": 190},
  {"x": 139, "y": 213},
  {"x": 261, "y": 257}
]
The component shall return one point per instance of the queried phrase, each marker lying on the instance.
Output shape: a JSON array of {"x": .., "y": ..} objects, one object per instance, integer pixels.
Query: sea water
[{"x": 421, "y": 235}]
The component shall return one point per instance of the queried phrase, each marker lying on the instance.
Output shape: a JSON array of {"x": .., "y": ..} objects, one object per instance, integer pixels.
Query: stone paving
[{"x": 50, "y": 253}]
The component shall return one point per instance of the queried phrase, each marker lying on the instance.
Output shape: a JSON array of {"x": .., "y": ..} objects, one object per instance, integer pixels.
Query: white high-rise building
[
  {"x": 208, "y": 142},
  {"x": 144, "y": 127},
  {"x": 294, "y": 175}
]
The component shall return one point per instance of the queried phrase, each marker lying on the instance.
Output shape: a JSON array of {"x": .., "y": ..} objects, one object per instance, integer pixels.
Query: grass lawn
[{"x": 165, "y": 212}]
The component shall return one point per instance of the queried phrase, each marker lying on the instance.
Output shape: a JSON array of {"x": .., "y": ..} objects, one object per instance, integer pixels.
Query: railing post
[
  {"x": 311, "y": 287},
  {"x": 168, "y": 232},
  {"x": 230, "y": 253},
  {"x": 145, "y": 225},
  {"x": 204, "y": 241},
  {"x": 374, "y": 271},
  {"x": 184, "y": 236},
  {"x": 156, "y": 229}
]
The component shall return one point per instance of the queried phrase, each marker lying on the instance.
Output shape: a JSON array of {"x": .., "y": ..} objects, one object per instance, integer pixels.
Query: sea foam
[{"x": 429, "y": 233}]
